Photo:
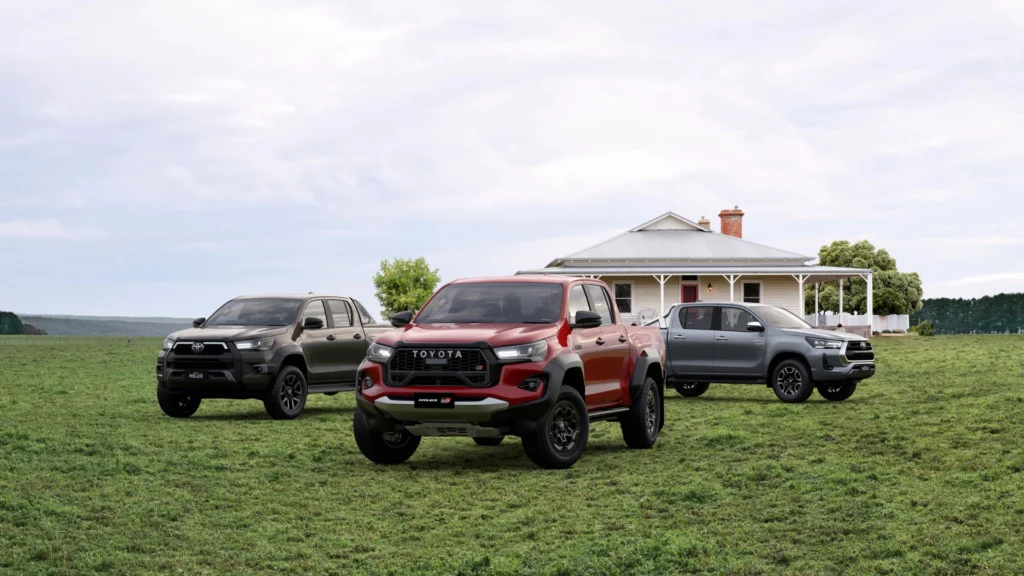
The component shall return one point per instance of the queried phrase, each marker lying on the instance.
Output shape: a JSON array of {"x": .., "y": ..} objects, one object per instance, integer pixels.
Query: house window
[
  {"x": 623, "y": 297},
  {"x": 752, "y": 292}
]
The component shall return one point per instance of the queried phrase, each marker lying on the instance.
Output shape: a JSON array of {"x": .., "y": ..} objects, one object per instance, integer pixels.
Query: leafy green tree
[
  {"x": 895, "y": 292},
  {"x": 404, "y": 284},
  {"x": 11, "y": 324}
]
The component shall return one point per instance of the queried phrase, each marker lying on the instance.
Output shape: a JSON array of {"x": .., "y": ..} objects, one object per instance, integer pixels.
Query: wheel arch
[
  {"x": 782, "y": 357},
  {"x": 297, "y": 360}
]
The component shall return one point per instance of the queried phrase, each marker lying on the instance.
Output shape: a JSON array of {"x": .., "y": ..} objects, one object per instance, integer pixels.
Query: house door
[{"x": 690, "y": 293}]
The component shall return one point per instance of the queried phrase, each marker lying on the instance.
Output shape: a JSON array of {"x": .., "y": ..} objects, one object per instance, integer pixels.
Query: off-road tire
[
  {"x": 792, "y": 382},
  {"x": 383, "y": 447},
  {"x": 287, "y": 397},
  {"x": 837, "y": 391},
  {"x": 561, "y": 434},
  {"x": 691, "y": 389},
  {"x": 488, "y": 441},
  {"x": 640, "y": 426},
  {"x": 177, "y": 405}
]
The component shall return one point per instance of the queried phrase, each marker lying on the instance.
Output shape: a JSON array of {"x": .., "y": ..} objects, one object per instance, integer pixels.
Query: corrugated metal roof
[{"x": 680, "y": 245}]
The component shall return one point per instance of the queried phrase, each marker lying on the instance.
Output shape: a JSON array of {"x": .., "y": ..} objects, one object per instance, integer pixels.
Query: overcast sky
[{"x": 160, "y": 157}]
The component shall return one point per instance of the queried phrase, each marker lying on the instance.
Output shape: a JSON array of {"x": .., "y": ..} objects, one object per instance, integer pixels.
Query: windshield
[
  {"x": 256, "y": 312},
  {"x": 780, "y": 318},
  {"x": 493, "y": 303}
]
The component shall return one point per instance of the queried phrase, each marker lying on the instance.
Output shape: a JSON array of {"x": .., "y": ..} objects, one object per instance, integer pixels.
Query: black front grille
[
  {"x": 438, "y": 367},
  {"x": 200, "y": 363},
  {"x": 859, "y": 351},
  {"x": 208, "y": 349}
]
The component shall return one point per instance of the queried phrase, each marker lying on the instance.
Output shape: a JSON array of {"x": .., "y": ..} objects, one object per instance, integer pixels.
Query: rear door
[
  {"x": 584, "y": 344},
  {"x": 739, "y": 353},
  {"x": 318, "y": 345},
  {"x": 351, "y": 342},
  {"x": 691, "y": 343},
  {"x": 614, "y": 345}
]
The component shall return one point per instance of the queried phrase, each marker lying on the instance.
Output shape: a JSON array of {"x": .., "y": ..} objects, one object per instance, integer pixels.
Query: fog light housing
[
  {"x": 533, "y": 383},
  {"x": 366, "y": 383}
]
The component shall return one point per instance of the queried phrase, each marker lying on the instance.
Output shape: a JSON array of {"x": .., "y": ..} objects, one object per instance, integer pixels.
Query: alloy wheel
[
  {"x": 652, "y": 412},
  {"x": 835, "y": 388},
  {"x": 291, "y": 392},
  {"x": 565, "y": 426},
  {"x": 396, "y": 439},
  {"x": 687, "y": 386},
  {"x": 790, "y": 381}
]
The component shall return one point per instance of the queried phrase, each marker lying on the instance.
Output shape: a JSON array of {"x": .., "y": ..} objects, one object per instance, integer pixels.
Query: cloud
[{"x": 43, "y": 229}]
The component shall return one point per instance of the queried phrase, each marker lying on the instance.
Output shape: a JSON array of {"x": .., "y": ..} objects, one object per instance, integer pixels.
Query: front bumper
[
  {"x": 498, "y": 410},
  {"x": 833, "y": 365},
  {"x": 232, "y": 374}
]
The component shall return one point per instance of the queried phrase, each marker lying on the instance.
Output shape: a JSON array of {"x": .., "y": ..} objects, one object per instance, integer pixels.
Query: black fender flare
[
  {"x": 283, "y": 352},
  {"x": 648, "y": 357},
  {"x": 523, "y": 418}
]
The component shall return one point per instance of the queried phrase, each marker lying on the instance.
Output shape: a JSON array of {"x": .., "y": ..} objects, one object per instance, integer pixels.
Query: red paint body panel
[{"x": 608, "y": 368}]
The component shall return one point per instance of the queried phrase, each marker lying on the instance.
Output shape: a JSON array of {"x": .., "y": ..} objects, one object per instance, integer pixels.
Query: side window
[
  {"x": 341, "y": 313},
  {"x": 735, "y": 320},
  {"x": 599, "y": 301},
  {"x": 697, "y": 317},
  {"x": 577, "y": 301},
  {"x": 364, "y": 315},
  {"x": 315, "y": 309}
]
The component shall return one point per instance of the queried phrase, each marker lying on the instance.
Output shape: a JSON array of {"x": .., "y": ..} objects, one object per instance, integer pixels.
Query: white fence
[{"x": 893, "y": 322}]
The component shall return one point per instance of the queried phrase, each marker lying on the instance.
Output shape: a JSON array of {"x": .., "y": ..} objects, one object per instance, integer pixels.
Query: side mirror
[
  {"x": 586, "y": 319},
  {"x": 755, "y": 327},
  {"x": 312, "y": 323},
  {"x": 401, "y": 319},
  {"x": 198, "y": 322}
]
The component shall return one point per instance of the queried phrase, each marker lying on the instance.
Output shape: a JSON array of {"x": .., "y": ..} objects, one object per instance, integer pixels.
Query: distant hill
[{"x": 106, "y": 325}]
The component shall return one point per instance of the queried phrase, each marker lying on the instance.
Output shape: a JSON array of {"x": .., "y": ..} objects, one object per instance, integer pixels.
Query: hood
[
  {"x": 493, "y": 334},
  {"x": 228, "y": 333},
  {"x": 826, "y": 334}
]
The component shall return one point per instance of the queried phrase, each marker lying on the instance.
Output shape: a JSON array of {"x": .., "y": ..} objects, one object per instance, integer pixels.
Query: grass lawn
[{"x": 921, "y": 472}]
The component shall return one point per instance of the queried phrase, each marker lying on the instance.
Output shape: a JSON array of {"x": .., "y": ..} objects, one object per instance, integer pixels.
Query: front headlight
[
  {"x": 532, "y": 352},
  {"x": 168, "y": 344},
  {"x": 261, "y": 344},
  {"x": 824, "y": 344},
  {"x": 379, "y": 353}
]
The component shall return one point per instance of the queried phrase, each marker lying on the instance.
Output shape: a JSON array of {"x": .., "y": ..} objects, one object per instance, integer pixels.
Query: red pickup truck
[{"x": 538, "y": 358}]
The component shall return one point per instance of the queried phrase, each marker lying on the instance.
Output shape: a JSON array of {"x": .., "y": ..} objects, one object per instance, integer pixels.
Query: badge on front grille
[{"x": 197, "y": 347}]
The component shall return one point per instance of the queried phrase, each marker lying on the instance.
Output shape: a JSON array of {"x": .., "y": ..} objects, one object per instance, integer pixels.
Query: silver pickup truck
[{"x": 760, "y": 344}]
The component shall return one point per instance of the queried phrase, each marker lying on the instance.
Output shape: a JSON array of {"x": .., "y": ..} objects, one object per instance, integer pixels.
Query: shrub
[{"x": 926, "y": 328}]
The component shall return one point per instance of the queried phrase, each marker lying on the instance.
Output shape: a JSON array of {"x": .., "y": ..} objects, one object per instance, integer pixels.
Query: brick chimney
[
  {"x": 732, "y": 222},
  {"x": 704, "y": 223}
]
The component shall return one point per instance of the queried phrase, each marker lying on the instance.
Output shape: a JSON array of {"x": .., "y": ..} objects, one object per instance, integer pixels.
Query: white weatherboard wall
[
  {"x": 778, "y": 290},
  {"x": 894, "y": 322}
]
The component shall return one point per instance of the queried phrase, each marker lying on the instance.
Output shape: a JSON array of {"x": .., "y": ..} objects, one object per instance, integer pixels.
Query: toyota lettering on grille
[
  {"x": 197, "y": 347},
  {"x": 445, "y": 354}
]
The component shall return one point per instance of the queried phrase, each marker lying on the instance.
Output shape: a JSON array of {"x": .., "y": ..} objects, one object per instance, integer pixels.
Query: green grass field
[{"x": 921, "y": 472}]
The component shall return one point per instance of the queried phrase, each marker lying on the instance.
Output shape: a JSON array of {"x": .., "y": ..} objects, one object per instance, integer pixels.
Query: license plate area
[
  {"x": 433, "y": 401},
  {"x": 196, "y": 375}
]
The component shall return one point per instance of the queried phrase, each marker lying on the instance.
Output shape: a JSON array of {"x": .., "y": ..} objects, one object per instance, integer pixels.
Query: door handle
[
  {"x": 357, "y": 335},
  {"x": 623, "y": 339},
  {"x": 679, "y": 337},
  {"x": 722, "y": 338},
  {"x": 330, "y": 337},
  {"x": 600, "y": 341}
]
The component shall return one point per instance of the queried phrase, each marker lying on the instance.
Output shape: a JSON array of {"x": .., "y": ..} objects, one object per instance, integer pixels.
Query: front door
[
  {"x": 350, "y": 344},
  {"x": 690, "y": 293},
  {"x": 691, "y": 343},
  {"x": 615, "y": 347},
  {"x": 585, "y": 345},
  {"x": 318, "y": 345},
  {"x": 739, "y": 353}
]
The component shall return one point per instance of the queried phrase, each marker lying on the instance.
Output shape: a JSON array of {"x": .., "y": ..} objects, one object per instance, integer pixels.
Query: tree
[
  {"x": 895, "y": 292},
  {"x": 404, "y": 284},
  {"x": 11, "y": 324}
]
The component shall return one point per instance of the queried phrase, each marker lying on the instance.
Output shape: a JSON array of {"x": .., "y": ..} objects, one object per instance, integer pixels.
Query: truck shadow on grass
[{"x": 316, "y": 413}]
